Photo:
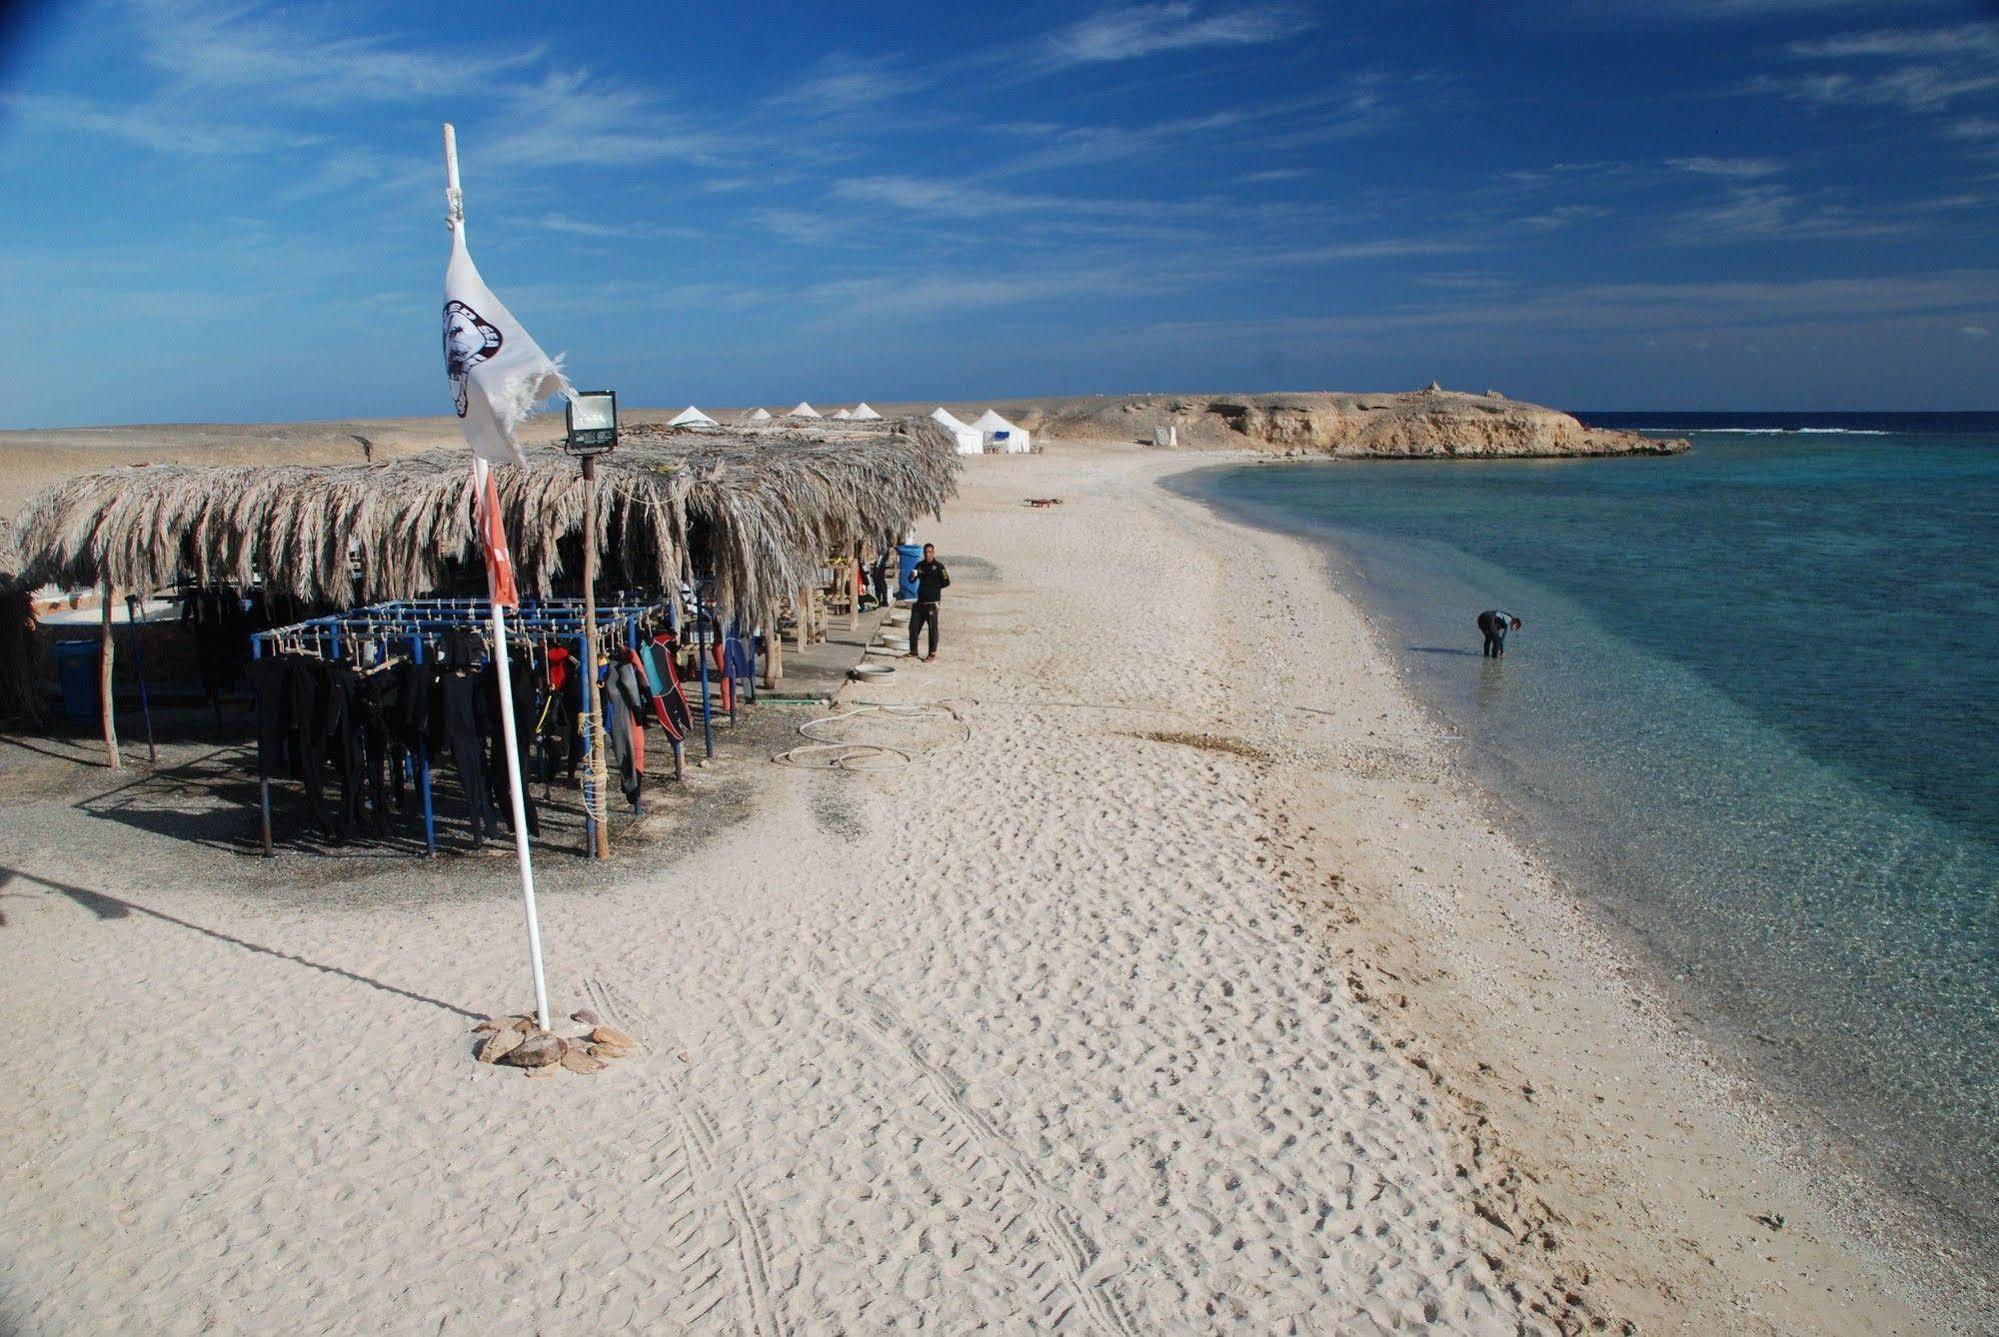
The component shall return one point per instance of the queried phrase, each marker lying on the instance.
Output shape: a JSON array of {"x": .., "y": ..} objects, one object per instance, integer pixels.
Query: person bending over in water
[
  {"x": 931, "y": 578},
  {"x": 1494, "y": 625}
]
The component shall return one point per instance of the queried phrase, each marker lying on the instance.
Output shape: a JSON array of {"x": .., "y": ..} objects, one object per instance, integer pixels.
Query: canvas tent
[
  {"x": 802, "y": 410},
  {"x": 967, "y": 441},
  {"x": 865, "y": 414},
  {"x": 1000, "y": 436},
  {"x": 761, "y": 415},
  {"x": 692, "y": 417}
]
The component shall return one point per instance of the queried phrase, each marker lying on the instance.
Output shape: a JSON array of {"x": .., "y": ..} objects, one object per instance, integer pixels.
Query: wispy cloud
[
  {"x": 1772, "y": 212},
  {"x": 1724, "y": 10},
  {"x": 1969, "y": 38},
  {"x": 1975, "y": 332},
  {"x": 605, "y": 231},
  {"x": 1274, "y": 174},
  {"x": 1916, "y": 69},
  {"x": 1142, "y": 30},
  {"x": 1744, "y": 169},
  {"x": 1564, "y": 215},
  {"x": 845, "y": 83},
  {"x": 275, "y": 54},
  {"x": 577, "y": 119},
  {"x": 150, "y": 126}
]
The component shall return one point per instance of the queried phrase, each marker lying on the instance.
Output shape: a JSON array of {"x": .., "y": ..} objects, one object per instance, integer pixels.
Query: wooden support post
[
  {"x": 773, "y": 653},
  {"x": 105, "y": 707},
  {"x": 802, "y": 623},
  {"x": 854, "y": 602}
]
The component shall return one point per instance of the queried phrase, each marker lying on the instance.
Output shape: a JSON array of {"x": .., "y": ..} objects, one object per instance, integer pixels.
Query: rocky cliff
[{"x": 1425, "y": 423}]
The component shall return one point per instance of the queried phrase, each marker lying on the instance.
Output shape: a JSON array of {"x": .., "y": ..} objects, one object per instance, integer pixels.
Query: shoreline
[
  {"x": 1765, "y": 1127},
  {"x": 1137, "y": 1002}
]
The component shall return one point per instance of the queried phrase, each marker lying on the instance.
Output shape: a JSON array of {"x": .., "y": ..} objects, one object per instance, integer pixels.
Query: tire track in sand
[
  {"x": 697, "y": 1139},
  {"x": 1076, "y": 1253}
]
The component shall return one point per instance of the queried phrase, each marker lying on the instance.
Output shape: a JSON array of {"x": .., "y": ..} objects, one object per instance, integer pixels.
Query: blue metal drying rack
[{"x": 372, "y": 633}]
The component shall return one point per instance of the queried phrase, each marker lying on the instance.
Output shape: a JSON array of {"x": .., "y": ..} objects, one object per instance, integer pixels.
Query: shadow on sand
[{"x": 106, "y": 906}]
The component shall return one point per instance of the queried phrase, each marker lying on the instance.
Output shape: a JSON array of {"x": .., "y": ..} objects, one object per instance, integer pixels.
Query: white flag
[{"x": 497, "y": 370}]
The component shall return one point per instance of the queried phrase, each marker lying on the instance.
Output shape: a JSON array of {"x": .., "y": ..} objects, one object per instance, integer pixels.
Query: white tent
[
  {"x": 692, "y": 417},
  {"x": 998, "y": 435},
  {"x": 842, "y": 413},
  {"x": 968, "y": 441},
  {"x": 864, "y": 413},
  {"x": 761, "y": 415},
  {"x": 803, "y": 410}
]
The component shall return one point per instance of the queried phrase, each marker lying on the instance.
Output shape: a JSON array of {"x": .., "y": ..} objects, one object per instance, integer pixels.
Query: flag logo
[{"x": 469, "y": 339}]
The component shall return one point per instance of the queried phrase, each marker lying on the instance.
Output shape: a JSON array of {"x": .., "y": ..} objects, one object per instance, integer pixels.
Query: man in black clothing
[
  {"x": 1493, "y": 625},
  {"x": 931, "y": 578}
]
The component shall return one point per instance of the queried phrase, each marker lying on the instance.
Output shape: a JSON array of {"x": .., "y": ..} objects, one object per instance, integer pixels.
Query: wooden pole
[
  {"x": 773, "y": 653},
  {"x": 105, "y": 708},
  {"x": 854, "y": 599},
  {"x": 598, "y": 775}
]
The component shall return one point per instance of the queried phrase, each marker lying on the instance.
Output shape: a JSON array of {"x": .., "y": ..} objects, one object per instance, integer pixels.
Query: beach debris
[
  {"x": 611, "y": 1035},
  {"x": 582, "y": 1061},
  {"x": 1771, "y": 1219},
  {"x": 536, "y": 1051},
  {"x": 518, "y": 1042},
  {"x": 499, "y": 1044}
]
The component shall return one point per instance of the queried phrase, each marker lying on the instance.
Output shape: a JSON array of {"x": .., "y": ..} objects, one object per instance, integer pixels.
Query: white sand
[{"x": 1057, "y": 1028}]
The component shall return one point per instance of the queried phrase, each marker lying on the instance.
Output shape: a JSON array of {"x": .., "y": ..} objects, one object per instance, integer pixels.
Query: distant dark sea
[{"x": 1754, "y": 713}]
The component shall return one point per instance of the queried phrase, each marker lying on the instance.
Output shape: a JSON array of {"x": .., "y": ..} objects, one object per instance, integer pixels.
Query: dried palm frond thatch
[
  {"x": 17, "y": 633},
  {"x": 756, "y": 512}
]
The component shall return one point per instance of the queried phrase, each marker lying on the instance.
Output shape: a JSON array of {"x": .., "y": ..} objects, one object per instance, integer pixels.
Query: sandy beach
[{"x": 1191, "y": 990}]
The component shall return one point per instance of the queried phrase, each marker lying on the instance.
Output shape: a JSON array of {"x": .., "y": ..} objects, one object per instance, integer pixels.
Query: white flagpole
[{"x": 454, "y": 200}]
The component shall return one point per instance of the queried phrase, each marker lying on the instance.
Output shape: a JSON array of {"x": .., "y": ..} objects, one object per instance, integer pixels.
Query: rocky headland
[{"x": 1421, "y": 424}]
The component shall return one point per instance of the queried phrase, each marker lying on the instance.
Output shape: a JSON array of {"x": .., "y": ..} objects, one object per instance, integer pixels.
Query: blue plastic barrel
[
  {"x": 76, "y": 673},
  {"x": 908, "y": 555}
]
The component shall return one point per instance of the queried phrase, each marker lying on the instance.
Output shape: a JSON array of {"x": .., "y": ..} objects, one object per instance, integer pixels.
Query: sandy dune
[{"x": 1061, "y": 1027}]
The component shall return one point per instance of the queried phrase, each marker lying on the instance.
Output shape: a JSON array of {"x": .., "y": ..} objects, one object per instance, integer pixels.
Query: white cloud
[
  {"x": 271, "y": 53},
  {"x": 844, "y": 83},
  {"x": 1743, "y": 169},
  {"x": 578, "y": 119},
  {"x": 1564, "y": 215},
  {"x": 1892, "y": 43},
  {"x": 1976, "y": 332},
  {"x": 1771, "y": 213},
  {"x": 1141, "y": 30},
  {"x": 149, "y": 126},
  {"x": 1275, "y": 174},
  {"x": 1916, "y": 69}
]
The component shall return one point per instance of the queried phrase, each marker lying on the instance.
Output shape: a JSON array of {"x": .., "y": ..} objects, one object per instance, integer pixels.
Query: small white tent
[
  {"x": 761, "y": 415},
  {"x": 864, "y": 413},
  {"x": 803, "y": 410},
  {"x": 998, "y": 435},
  {"x": 692, "y": 417},
  {"x": 968, "y": 441},
  {"x": 841, "y": 413}
]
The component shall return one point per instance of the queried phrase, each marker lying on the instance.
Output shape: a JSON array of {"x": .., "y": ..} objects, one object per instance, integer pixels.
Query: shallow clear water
[{"x": 1753, "y": 710}]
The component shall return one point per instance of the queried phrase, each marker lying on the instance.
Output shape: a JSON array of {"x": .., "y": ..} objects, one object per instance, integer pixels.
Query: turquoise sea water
[{"x": 1753, "y": 712}]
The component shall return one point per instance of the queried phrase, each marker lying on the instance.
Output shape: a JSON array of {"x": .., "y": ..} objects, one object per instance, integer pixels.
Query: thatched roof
[
  {"x": 757, "y": 512},
  {"x": 12, "y": 568}
]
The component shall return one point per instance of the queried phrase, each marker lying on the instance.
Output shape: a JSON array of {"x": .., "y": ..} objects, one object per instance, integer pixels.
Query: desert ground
[{"x": 1187, "y": 987}]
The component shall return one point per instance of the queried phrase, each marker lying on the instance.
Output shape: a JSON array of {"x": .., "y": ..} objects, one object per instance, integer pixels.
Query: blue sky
[{"x": 235, "y": 213}]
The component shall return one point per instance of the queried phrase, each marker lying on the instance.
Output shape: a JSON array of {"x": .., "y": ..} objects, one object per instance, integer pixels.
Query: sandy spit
[{"x": 1191, "y": 992}]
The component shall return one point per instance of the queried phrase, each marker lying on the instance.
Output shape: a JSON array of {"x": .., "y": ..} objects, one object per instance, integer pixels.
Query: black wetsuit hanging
[{"x": 455, "y": 726}]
